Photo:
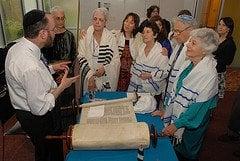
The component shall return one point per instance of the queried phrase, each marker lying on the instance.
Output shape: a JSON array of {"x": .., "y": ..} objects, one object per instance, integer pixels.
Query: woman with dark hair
[
  {"x": 151, "y": 11},
  {"x": 162, "y": 36},
  {"x": 128, "y": 41},
  {"x": 147, "y": 71},
  {"x": 225, "y": 51}
]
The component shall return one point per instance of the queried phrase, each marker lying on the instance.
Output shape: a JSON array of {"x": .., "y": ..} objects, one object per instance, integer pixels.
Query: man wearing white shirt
[{"x": 31, "y": 86}]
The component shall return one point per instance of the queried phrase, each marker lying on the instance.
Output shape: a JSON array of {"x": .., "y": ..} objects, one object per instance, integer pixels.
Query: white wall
[
  {"x": 28, "y": 5},
  {"x": 119, "y": 8}
]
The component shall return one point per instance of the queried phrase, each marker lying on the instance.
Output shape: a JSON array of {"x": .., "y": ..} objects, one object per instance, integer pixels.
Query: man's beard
[{"x": 49, "y": 41}]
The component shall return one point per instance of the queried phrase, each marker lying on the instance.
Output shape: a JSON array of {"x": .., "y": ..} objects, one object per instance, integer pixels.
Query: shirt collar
[{"x": 35, "y": 50}]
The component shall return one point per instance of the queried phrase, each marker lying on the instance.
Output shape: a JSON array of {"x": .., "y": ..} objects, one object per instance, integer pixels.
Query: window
[{"x": 11, "y": 15}]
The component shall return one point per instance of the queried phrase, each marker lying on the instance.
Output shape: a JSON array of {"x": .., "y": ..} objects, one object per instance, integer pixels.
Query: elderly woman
[
  {"x": 98, "y": 55},
  {"x": 193, "y": 96},
  {"x": 129, "y": 41},
  {"x": 147, "y": 71},
  {"x": 225, "y": 51}
]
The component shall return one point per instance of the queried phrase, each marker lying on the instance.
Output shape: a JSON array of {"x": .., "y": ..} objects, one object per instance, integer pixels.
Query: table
[{"x": 163, "y": 152}]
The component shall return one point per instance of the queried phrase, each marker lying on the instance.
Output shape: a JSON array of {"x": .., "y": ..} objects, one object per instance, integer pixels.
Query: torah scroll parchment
[{"x": 110, "y": 136}]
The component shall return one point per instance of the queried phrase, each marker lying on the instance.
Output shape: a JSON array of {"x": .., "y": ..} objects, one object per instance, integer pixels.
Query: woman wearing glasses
[
  {"x": 98, "y": 55},
  {"x": 193, "y": 96}
]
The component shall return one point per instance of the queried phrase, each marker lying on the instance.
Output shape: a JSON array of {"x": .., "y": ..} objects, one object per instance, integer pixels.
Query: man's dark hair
[
  {"x": 136, "y": 20},
  {"x": 33, "y": 22},
  {"x": 151, "y": 9}
]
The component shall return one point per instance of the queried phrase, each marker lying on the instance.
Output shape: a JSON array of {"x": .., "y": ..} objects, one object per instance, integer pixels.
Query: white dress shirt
[{"x": 28, "y": 79}]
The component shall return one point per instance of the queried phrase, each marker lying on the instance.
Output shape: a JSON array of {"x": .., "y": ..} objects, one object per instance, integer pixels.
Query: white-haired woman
[
  {"x": 193, "y": 96},
  {"x": 98, "y": 55}
]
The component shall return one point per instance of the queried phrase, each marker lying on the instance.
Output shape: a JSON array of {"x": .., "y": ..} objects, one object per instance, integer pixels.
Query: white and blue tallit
[
  {"x": 155, "y": 63},
  {"x": 108, "y": 56},
  {"x": 200, "y": 85},
  {"x": 176, "y": 67}
]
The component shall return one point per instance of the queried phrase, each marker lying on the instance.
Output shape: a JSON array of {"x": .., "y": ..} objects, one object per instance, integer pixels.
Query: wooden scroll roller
[
  {"x": 75, "y": 107},
  {"x": 109, "y": 137},
  {"x": 134, "y": 98}
]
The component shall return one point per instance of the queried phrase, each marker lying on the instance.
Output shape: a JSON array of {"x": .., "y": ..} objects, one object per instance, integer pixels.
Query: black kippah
[{"x": 32, "y": 17}]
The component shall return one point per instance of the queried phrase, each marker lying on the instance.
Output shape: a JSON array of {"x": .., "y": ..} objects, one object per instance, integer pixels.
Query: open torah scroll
[
  {"x": 110, "y": 126},
  {"x": 110, "y": 136}
]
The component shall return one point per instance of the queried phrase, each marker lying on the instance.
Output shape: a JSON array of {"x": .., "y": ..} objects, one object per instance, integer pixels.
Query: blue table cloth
[{"x": 163, "y": 151}]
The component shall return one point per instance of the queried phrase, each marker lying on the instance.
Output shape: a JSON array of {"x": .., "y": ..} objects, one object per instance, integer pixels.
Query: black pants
[
  {"x": 234, "y": 121},
  {"x": 37, "y": 127}
]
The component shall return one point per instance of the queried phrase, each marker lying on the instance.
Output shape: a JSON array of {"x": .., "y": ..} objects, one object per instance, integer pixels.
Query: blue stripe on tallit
[
  {"x": 172, "y": 76},
  {"x": 154, "y": 85},
  {"x": 151, "y": 67},
  {"x": 176, "y": 70},
  {"x": 158, "y": 72},
  {"x": 136, "y": 64},
  {"x": 135, "y": 86},
  {"x": 137, "y": 70},
  {"x": 185, "y": 97},
  {"x": 181, "y": 104},
  {"x": 173, "y": 117},
  {"x": 134, "y": 73},
  {"x": 167, "y": 119},
  {"x": 196, "y": 93}
]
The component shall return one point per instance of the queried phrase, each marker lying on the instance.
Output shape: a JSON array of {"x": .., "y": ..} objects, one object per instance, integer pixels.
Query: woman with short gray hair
[
  {"x": 98, "y": 55},
  {"x": 193, "y": 96},
  {"x": 103, "y": 11}
]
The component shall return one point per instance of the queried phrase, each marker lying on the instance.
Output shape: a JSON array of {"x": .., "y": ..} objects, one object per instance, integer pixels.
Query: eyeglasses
[
  {"x": 60, "y": 18},
  {"x": 53, "y": 30},
  {"x": 178, "y": 32}
]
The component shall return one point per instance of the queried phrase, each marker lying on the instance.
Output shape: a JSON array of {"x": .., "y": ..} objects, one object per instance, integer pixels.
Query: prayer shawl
[
  {"x": 155, "y": 63},
  {"x": 175, "y": 68},
  {"x": 134, "y": 43},
  {"x": 199, "y": 86},
  {"x": 108, "y": 56}
]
